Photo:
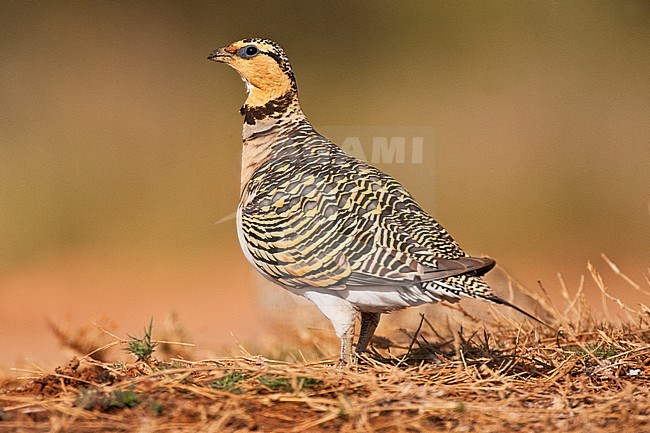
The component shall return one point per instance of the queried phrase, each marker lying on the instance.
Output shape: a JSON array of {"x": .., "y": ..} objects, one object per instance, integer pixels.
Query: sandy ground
[{"x": 206, "y": 295}]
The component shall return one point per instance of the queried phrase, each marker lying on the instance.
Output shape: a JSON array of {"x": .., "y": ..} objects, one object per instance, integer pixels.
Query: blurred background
[{"x": 120, "y": 147}]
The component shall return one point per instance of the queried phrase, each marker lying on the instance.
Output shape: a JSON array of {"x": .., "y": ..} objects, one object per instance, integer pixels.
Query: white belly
[{"x": 383, "y": 299}]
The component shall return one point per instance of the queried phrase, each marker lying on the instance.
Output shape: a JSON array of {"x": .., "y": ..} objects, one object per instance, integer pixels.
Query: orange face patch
[{"x": 265, "y": 78}]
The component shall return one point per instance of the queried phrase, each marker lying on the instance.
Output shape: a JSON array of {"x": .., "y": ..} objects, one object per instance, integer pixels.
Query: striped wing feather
[{"x": 329, "y": 220}]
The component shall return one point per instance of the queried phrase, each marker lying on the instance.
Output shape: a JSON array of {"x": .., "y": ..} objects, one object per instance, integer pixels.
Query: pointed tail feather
[
  {"x": 500, "y": 301},
  {"x": 475, "y": 287}
]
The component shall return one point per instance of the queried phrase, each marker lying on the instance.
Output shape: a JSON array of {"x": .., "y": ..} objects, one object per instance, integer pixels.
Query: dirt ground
[
  {"x": 593, "y": 376},
  {"x": 464, "y": 368}
]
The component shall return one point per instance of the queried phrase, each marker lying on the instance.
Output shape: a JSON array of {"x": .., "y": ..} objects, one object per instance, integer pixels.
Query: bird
[{"x": 328, "y": 226}]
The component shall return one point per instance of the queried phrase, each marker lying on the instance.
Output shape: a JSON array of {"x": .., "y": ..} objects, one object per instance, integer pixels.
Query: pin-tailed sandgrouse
[{"x": 327, "y": 226}]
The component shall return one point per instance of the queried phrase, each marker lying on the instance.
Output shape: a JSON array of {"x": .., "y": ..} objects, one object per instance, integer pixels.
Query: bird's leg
[
  {"x": 369, "y": 322},
  {"x": 346, "y": 346},
  {"x": 342, "y": 315}
]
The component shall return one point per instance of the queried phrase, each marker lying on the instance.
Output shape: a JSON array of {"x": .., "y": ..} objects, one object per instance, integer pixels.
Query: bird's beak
[{"x": 220, "y": 55}]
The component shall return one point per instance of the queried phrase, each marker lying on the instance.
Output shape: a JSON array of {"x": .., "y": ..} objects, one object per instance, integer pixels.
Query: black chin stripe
[{"x": 278, "y": 105}]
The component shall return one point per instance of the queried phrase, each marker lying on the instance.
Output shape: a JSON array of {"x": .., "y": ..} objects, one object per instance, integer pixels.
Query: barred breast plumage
[{"x": 328, "y": 226}]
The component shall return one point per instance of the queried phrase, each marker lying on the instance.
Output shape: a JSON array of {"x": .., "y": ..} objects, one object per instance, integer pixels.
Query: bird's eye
[{"x": 249, "y": 51}]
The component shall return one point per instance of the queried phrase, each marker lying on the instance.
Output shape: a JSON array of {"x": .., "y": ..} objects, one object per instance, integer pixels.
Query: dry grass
[{"x": 595, "y": 377}]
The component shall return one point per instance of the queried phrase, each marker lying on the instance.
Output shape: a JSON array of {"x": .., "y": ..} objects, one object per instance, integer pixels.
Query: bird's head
[{"x": 262, "y": 65}]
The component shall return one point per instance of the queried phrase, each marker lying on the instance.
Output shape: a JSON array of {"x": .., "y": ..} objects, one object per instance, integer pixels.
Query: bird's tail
[{"x": 475, "y": 287}]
